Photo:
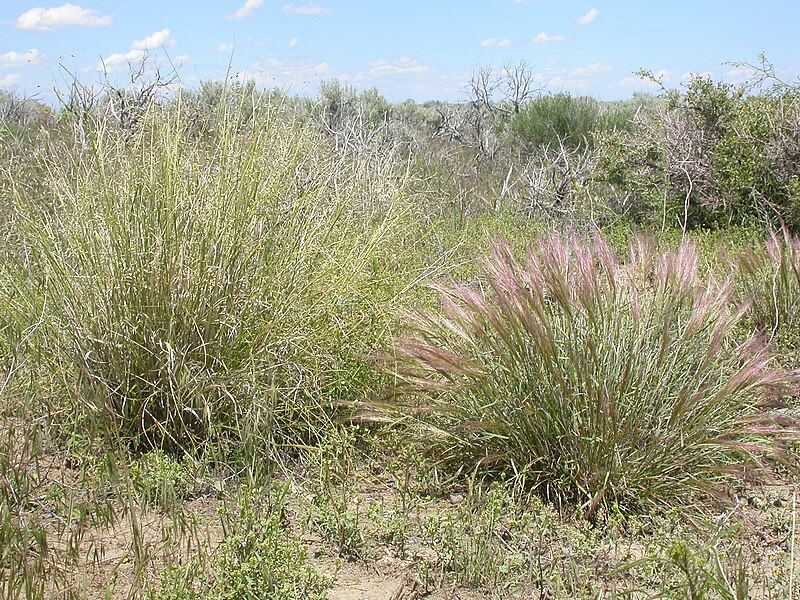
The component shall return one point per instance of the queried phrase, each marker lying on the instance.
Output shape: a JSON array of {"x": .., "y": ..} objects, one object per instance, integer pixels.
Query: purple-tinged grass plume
[{"x": 595, "y": 382}]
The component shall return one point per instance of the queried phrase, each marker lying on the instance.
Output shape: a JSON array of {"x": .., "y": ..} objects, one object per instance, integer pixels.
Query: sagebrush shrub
[{"x": 598, "y": 383}]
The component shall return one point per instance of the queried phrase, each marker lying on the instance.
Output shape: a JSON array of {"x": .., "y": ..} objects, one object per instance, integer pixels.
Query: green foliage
[
  {"x": 259, "y": 559},
  {"x": 699, "y": 569},
  {"x": 213, "y": 100},
  {"x": 715, "y": 156},
  {"x": 161, "y": 480},
  {"x": 469, "y": 543},
  {"x": 25, "y": 561},
  {"x": 555, "y": 119},
  {"x": 595, "y": 383},
  {"x": 757, "y": 158},
  {"x": 335, "y": 508}
]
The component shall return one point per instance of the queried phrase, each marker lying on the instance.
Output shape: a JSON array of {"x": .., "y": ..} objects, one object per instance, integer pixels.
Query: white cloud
[
  {"x": 293, "y": 42},
  {"x": 68, "y": 15},
  {"x": 401, "y": 66},
  {"x": 298, "y": 74},
  {"x": 137, "y": 52},
  {"x": 638, "y": 82},
  {"x": 595, "y": 69},
  {"x": 561, "y": 83},
  {"x": 155, "y": 40},
  {"x": 246, "y": 10},
  {"x": 181, "y": 59},
  {"x": 741, "y": 73},
  {"x": 9, "y": 79},
  {"x": 225, "y": 47},
  {"x": 308, "y": 9},
  {"x": 589, "y": 17},
  {"x": 544, "y": 38},
  {"x": 664, "y": 76},
  {"x": 16, "y": 60},
  {"x": 114, "y": 62},
  {"x": 494, "y": 43}
]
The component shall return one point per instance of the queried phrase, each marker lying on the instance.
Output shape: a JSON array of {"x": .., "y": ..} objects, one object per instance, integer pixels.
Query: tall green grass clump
[
  {"x": 598, "y": 383},
  {"x": 202, "y": 290},
  {"x": 769, "y": 275}
]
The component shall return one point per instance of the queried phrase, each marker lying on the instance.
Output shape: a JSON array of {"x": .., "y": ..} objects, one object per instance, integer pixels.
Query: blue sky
[{"x": 407, "y": 49}]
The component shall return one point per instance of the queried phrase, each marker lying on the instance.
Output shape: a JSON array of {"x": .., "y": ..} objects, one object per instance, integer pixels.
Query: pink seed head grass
[{"x": 596, "y": 382}]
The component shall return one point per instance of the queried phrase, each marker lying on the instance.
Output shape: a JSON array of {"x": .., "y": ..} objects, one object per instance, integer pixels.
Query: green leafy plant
[
  {"x": 470, "y": 546},
  {"x": 594, "y": 382},
  {"x": 699, "y": 569},
  {"x": 560, "y": 119},
  {"x": 25, "y": 556},
  {"x": 713, "y": 156},
  {"x": 259, "y": 558},
  {"x": 161, "y": 480}
]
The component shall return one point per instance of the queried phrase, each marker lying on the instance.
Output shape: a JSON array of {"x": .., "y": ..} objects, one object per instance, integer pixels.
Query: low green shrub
[
  {"x": 258, "y": 558},
  {"x": 555, "y": 119},
  {"x": 161, "y": 480},
  {"x": 597, "y": 383}
]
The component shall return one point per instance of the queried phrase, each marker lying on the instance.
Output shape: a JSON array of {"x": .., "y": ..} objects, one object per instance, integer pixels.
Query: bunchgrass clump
[
  {"x": 769, "y": 276},
  {"x": 197, "y": 291},
  {"x": 597, "y": 383}
]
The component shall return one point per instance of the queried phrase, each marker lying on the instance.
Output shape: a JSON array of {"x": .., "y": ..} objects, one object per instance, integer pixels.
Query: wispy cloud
[
  {"x": 138, "y": 50},
  {"x": 664, "y": 76},
  {"x": 225, "y": 48},
  {"x": 293, "y": 42},
  {"x": 741, "y": 73},
  {"x": 299, "y": 74},
  {"x": 544, "y": 38},
  {"x": 9, "y": 79},
  {"x": 307, "y": 9},
  {"x": 495, "y": 43},
  {"x": 595, "y": 69},
  {"x": 589, "y": 17},
  {"x": 401, "y": 66},
  {"x": 559, "y": 82},
  {"x": 181, "y": 59},
  {"x": 15, "y": 60},
  {"x": 246, "y": 10},
  {"x": 637, "y": 82},
  {"x": 67, "y": 15}
]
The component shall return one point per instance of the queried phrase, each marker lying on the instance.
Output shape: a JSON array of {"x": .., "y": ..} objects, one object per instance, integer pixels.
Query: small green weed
[
  {"x": 161, "y": 480},
  {"x": 335, "y": 508},
  {"x": 259, "y": 559}
]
